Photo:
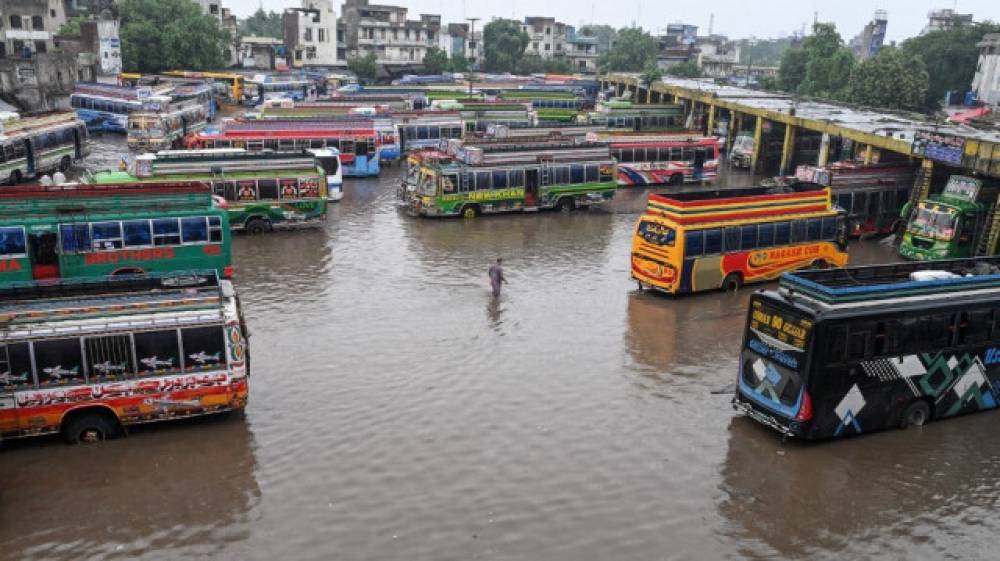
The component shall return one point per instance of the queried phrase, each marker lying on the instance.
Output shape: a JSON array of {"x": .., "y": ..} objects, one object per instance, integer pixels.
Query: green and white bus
[
  {"x": 448, "y": 184},
  {"x": 97, "y": 231},
  {"x": 263, "y": 190},
  {"x": 31, "y": 146}
]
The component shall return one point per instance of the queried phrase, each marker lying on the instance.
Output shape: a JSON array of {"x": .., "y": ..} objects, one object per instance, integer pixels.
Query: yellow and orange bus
[{"x": 707, "y": 240}]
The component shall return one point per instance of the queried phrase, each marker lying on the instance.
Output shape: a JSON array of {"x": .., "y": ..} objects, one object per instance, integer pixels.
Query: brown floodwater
[{"x": 398, "y": 412}]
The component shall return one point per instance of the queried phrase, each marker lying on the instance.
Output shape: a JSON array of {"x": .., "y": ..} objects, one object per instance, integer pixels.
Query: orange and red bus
[
  {"x": 86, "y": 358},
  {"x": 356, "y": 140},
  {"x": 699, "y": 241}
]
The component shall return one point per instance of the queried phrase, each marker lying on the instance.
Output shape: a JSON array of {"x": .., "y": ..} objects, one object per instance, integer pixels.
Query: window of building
[
  {"x": 307, "y": 35},
  {"x": 548, "y": 47},
  {"x": 40, "y": 48},
  {"x": 38, "y": 23},
  {"x": 321, "y": 35},
  {"x": 15, "y": 22},
  {"x": 213, "y": 9},
  {"x": 534, "y": 46}
]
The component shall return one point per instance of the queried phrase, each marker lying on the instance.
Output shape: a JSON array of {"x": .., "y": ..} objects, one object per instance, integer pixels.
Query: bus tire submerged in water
[
  {"x": 566, "y": 204},
  {"x": 470, "y": 211},
  {"x": 257, "y": 225},
  {"x": 732, "y": 283},
  {"x": 15, "y": 177},
  {"x": 89, "y": 426},
  {"x": 916, "y": 414},
  {"x": 65, "y": 164}
]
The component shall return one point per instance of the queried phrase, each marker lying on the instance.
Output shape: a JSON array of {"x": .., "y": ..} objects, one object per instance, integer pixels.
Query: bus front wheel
[
  {"x": 15, "y": 177},
  {"x": 916, "y": 414},
  {"x": 469, "y": 211},
  {"x": 257, "y": 226},
  {"x": 732, "y": 283},
  {"x": 820, "y": 264},
  {"x": 90, "y": 427},
  {"x": 65, "y": 164},
  {"x": 566, "y": 204}
]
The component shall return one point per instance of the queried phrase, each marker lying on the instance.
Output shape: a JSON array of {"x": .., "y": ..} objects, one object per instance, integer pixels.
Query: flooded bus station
[{"x": 399, "y": 411}]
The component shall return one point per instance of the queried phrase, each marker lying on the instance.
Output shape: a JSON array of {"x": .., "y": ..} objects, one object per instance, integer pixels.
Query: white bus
[{"x": 32, "y": 146}]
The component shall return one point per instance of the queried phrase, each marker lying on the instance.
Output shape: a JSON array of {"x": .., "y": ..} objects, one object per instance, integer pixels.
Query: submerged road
[{"x": 398, "y": 412}]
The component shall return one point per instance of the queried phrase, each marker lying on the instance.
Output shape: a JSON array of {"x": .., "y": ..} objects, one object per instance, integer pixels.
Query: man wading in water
[{"x": 496, "y": 277}]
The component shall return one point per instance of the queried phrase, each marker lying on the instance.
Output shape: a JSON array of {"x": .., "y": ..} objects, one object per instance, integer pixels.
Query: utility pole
[{"x": 472, "y": 47}]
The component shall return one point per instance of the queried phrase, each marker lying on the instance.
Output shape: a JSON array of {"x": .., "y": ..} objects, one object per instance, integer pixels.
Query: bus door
[
  {"x": 44, "y": 259},
  {"x": 77, "y": 143},
  {"x": 531, "y": 187},
  {"x": 29, "y": 153}
]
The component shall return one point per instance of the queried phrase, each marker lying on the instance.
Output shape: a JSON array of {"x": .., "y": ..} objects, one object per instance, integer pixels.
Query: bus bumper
[{"x": 742, "y": 405}]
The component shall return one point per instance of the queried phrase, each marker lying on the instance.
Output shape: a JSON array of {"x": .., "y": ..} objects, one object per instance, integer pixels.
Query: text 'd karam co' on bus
[
  {"x": 96, "y": 231},
  {"x": 87, "y": 358},
  {"x": 835, "y": 353},
  {"x": 692, "y": 242}
]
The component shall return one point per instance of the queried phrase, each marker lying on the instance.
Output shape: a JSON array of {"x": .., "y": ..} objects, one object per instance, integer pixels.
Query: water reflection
[{"x": 187, "y": 486}]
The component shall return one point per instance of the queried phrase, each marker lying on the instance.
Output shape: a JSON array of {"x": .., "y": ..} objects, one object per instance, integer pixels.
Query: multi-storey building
[
  {"x": 581, "y": 51},
  {"x": 311, "y": 34},
  {"x": 28, "y": 26},
  {"x": 986, "y": 83},
  {"x": 869, "y": 42},
  {"x": 455, "y": 40},
  {"x": 939, "y": 20},
  {"x": 386, "y": 32},
  {"x": 546, "y": 37},
  {"x": 717, "y": 56}
]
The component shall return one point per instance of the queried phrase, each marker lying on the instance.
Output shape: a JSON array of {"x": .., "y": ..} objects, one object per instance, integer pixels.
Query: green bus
[
  {"x": 97, "y": 231},
  {"x": 442, "y": 184},
  {"x": 952, "y": 224},
  {"x": 263, "y": 190}
]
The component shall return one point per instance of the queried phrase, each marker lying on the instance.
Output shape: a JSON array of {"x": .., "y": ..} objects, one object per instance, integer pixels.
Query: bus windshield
[
  {"x": 330, "y": 164},
  {"x": 935, "y": 222},
  {"x": 774, "y": 354},
  {"x": 428, "y": 184}
]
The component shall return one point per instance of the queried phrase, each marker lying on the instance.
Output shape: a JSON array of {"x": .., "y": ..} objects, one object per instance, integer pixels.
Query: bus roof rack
[{"x": 870, "y": 283}]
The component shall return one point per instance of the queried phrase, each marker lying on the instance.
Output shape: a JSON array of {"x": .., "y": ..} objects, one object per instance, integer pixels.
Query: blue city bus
[{"x": 104, "y": 107}]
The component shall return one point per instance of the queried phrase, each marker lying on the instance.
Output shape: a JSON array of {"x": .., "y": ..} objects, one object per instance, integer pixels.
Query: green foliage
[
  {"x": 364, "y": 67},
  {"x": 821, "y": 67},
  {"x": 72, "y": 26},
  {"x": 950, "y": 56},
  {"x": 435, "y": 61},
  {"x": 158, "y": 35},
  {"x": 458, "y": 63},
  {"x": 763, "y": 52},
  {"x": 651, "y": 74},
  {"x": 263, "y": 24},
  {"x": 503, "y": 44},
  {"x": 633, "y": 51},
  {"x": 687, "y": 69},
  {"x": 768, "y": 83},
  {"x": 792, "y": 71},
  {"x": 534, "y": 64},
  {"x": 605, "y": 36},
  {"x": 891, "y": 80}
]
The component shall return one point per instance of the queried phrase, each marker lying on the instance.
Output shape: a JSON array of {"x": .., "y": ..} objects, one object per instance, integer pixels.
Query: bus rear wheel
[
  {"x": 255, "y": 226},
  {"x": 470, "y": 211},
  {"x": 566, "y": 204},
  {"x": 15, "y": 177},
  {"x": 820, "y": 264},
  {"x": 732, "y": 283},
  {"x": 65, "y": 164},
  {"x": 90, "y": 427},
  {"x": 916, "y": 414}
]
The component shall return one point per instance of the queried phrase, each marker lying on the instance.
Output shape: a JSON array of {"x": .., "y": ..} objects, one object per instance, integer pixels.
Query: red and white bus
[
  {"x": 85, "y": 359},
  {"x": 356, "y": 140},
  {"x": 663, "y": 159}
]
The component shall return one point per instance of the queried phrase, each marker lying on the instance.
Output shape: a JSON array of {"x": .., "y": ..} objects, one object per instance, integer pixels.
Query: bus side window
[
  {"x": 15, "y": 362},
  {"x": 713, "y": 242},
  {"x": 798, "y": 231},
  {"x": 562, "y": 175},
  {"x": 109, "y": 357},
  {"x": 782, "y": 233},
  {"x": 765, "y": 235},
  {"x": 732, "y": 240},
  {"x": 204, "y": 348},
  {"x": 975, "y": 327},
  {"x": 626, "y": 155},
  {"x": 157, "y": 352},
  {"x": 517, "y": 178},
  {"x": 814, "y": 229},
  {"x": 12, "y": 242},
  {"x": 500, "y": 179},
  {"x": 106, "y": 235},
  {"x": 694, "y": 244},
  {"x": 482, "y": 180},
  {"x": 576, "y": 174},
  {"x": 267, "y": 189},
  {"x": 58, "y": 362},
  {"x": 137, "y": 233},
  {"x": 858, "y": 343},
  {"x": 860, "y": 204},
  {"x": 166, "y": 231},
  {"x": 593, "y": 173},
  {"x": 748, "y": 237}
]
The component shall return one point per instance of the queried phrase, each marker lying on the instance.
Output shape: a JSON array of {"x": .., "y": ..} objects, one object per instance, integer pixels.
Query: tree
[
  {"x": 792, "y": 71},
  {"x": 263, "y": 24},
  {"x": 950, "y": 56},
  {"x": 72, "y": 26},
  {"x": 633, "y": 51},
  {"x": 763, "y": 52},
  {"x": 458, "y": 63},
  {"x": 687, "y": 69},
  {"x": 435, "y": 60},
  {"x": 891, "y": 80},
  {"x": 503, "y": 45},
  {"x": 534, "y": 64},
  {"x": 364, "y": 67},
  {"x": 158, "y": 35},
  {"x": 829, "y": 63}
]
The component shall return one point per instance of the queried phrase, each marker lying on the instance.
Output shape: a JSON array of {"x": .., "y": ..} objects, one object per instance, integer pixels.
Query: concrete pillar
[
  {"x": 758, "y": 141},
  {"x": 710, "y": 126},
  {"x": 824, "y": 151},
  {"x": 735, "y": 122},
  {"x": 787, "y": 150},
  {"x": 869, "y": 155}
]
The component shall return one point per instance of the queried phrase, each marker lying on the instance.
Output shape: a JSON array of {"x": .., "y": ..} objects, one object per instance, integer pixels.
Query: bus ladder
[{"x": 991, "y": 232}]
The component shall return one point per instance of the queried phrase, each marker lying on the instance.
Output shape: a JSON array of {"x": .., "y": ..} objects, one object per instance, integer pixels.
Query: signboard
[
  {"x": 962, "y": 187},
  {"x": 781, "y": 327},
  {"x": 144, "y": 92},
  {"x": 938, "y": 147}
]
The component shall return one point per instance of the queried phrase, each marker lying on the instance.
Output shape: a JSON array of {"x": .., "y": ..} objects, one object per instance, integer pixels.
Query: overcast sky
[{"x": 736, "y": 18}]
